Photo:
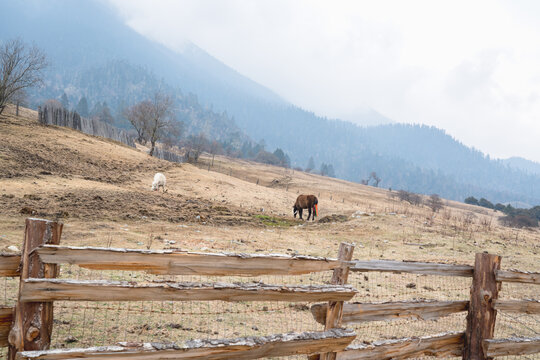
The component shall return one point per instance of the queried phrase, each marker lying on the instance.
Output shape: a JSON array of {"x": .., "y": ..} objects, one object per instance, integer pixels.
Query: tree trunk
[
  {"x": 17, "y": 109},
  {"x": 152, "y": 148}
]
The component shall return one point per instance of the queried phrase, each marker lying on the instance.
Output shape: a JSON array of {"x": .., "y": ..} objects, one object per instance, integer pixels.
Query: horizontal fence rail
[
  {"x": 9, "y": 265},
  {"x": 6, "y": 317},
  {"x": 411, "y": 267},
  {"x": 443, "y": 345},
  {"x": 518, "y": 276},
  {"x": 169, "y": 262},
  {"x": 512, "y": 346},
  {"x": 46, "y": 290},
  {"x": 361, "y": 312},
  {"x": 518, "y": 306},
  {"x": 39, "y": 287},
  {"x": 240, "y": 348}
]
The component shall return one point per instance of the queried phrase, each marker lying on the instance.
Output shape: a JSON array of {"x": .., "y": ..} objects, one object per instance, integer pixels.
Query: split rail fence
[{"x": 27, "y": 328}]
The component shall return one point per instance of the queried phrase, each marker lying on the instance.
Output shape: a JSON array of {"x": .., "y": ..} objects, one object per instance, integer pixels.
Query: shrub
[
  {"x": 485, "y": 203},
  {"x": 519, "y": 221}
]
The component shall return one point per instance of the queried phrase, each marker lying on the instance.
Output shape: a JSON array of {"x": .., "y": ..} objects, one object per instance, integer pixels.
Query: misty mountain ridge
[
  {"x": 365, "y": 117},
  {"x": 515, "y": 162},
  {"x": 94, "y": 54}
]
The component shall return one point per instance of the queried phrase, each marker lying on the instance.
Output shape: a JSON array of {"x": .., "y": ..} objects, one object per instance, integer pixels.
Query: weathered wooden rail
[
  {"x": 168, "y": 262},
  {"x": 6, "y": 318},
  {"x": 240, "y": 348},
  {"x": 518, "y": 306},
  {"x": 422, "y": 310},
  {"x": 412, "y": 267},
  {"x": 444, "y": 345},
  {"x": 27, "y": 328},
  {"x": 9, "y": 265},
  {"x": 518, "y": 276},
  {"x": 47, "y": 290},
  {"x": 512, "y": 346}
]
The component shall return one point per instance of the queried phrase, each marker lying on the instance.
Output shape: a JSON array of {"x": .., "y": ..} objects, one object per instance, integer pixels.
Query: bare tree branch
[
  {"x": 20, "y": 68},
  {"x": 154, "y": 119}
]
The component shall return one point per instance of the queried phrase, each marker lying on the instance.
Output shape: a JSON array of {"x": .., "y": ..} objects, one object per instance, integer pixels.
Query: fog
[{"x": 470, "y": 68}]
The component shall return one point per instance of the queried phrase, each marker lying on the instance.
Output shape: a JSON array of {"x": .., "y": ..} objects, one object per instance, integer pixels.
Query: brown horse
[{"x": 306, "y": 202}]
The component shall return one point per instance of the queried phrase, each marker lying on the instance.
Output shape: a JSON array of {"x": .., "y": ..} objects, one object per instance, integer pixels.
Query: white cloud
[{"x": 468, "y": 67}]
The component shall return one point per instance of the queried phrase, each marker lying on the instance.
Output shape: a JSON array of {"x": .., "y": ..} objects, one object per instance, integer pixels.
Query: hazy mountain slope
[
  {"x": 120, "y": 84},
  {"x": 520, "y": 163},
  {"x": 76, "y": 34},
  {"x": 84, "y": 38}
]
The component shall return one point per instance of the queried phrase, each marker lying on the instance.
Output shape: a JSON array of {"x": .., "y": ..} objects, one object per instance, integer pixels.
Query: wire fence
[{"x": 85, "y": 324}]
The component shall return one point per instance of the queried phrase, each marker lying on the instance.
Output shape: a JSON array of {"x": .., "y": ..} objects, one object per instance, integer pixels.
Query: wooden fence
[{"x": 27, "y": 327}]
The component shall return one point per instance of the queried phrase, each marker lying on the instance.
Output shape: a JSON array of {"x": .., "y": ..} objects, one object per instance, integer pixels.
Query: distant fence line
[
  {"x": 168, "y": 155},
  {"x": 52, "y": 114}
]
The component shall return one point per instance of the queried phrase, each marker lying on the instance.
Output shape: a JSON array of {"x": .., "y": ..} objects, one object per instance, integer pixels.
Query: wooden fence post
[
  {"x": 32, "y": 325},
  {"x": 481, "y": 315},
  {"x": 335, "y": 308}
]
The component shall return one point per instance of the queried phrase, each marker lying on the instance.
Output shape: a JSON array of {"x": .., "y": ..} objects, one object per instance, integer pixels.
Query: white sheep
[{"x": 159, "y": 180}]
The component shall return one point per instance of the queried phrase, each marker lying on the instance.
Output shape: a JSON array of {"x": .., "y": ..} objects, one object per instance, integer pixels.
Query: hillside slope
[
  {"x": 101, "y": 190},
  {"x": 52, "y": 171},
  {"x": 92, "y": 45}
]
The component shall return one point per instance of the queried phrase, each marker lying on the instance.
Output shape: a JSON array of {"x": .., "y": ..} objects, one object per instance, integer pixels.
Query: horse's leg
[
  {"x": 313, "y": 217},
  {"x": 300, "y": 213},
  {"x": 309, "y": 213}
]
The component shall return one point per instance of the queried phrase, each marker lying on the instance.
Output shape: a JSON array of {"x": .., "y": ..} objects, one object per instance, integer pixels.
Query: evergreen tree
[
  {"x": 330, "y": 170},
  {"x": 105, "y": 114},
  {"x": 471, "y": 200},
  {"x": 64, "y": 100},
  {"x": 284, "y": 159},
  {"x": 324, "y": 169},
  {"x": 486, "y": 203},
  {"x": 96, "y": 110},
  {"x": 311, "y": 164},
  {"x": 82, "y": 107}
]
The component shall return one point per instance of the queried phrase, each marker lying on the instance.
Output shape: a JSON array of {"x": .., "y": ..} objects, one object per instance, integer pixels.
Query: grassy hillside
[{"x": 101, "y": 190}]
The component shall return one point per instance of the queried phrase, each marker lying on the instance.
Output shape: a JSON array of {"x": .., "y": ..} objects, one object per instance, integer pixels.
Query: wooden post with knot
[
  {"x": 482, "y": 314},
  {"x": 335, "y": 308},
  {"x": 33, "y": 321}
]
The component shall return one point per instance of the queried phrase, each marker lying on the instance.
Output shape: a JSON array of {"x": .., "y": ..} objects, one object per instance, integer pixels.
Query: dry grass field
[{"x": 100, "y": 189}]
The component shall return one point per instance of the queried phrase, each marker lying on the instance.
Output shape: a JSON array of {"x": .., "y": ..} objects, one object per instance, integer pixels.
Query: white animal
[{"x": 159, "y": 180}]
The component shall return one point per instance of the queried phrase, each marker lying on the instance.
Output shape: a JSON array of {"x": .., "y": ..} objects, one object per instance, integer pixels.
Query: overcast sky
[{"x": 469, "y": 67}]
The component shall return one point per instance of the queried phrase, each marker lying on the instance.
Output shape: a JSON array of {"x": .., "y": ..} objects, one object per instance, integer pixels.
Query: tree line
[{"x": 515, "y": 217}]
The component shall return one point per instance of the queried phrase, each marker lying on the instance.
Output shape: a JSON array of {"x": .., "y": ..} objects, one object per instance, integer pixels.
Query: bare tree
[
  {"x": 20, "y": 68},
  {"x": 410, "y": 197},
  {"x": 195, "y": 146},
  {"x": 375, "y": 178},
  {"x": 154, "y": 120},
  {"x": 161, "y": 119},
  {"x": 434, "y": 203},
  {"x": 215, "y": 147},
  {"x": 139, "y": 116},
  {"x": 19, "y": 98}
]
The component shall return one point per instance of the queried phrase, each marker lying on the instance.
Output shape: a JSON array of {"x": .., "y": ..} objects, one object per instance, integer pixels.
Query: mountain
[
  {"x": 365, "y": 117},
  {"x": 520, "y": 163},
  {"x": 94, "y": 54}
]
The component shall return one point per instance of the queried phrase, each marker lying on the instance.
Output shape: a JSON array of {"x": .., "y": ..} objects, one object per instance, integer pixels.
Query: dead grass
[{"x": 101, "y": 191}]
